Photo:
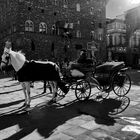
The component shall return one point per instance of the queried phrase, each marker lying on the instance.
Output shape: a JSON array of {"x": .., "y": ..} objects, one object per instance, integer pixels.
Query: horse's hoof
[
  {"x": 51, "y": 101},
  {"x": 27, "y": 108}
]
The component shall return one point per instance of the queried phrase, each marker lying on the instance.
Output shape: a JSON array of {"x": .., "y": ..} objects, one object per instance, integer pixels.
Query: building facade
[
  {"x": 132, "y": 19},
  {"x": 46, "y": 29},
  {"x": 116, "y": 39}
]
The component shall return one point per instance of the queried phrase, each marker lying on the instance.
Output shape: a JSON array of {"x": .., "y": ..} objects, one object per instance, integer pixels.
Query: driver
[{"x": 82, "y": 62}]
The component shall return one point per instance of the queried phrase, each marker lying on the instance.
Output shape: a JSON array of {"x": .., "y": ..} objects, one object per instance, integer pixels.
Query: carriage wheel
[
  {"x": 99, "y": 96},
  {"x": 125, "y": 101},
  {"x": 82, "y": 90},
  {"x": 121, "y": 84}
]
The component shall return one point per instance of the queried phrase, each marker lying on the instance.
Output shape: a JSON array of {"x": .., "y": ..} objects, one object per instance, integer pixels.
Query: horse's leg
[
  {"x": 28, "y": 93},
  {"x": 54, "y": 89},
  {"x": 53, "y": 86},
  {"x": 24, "y": 91}
]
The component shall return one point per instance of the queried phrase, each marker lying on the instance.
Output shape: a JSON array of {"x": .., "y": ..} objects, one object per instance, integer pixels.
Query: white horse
[{"x": 32, "y": 71}]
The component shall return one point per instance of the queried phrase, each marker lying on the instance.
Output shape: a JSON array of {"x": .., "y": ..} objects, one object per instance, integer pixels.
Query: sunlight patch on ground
[
  {"x": 131, "y": 128},
  {"x": 135, "y": 87},
  {"x": 33, "y": 136},
  {"x": 135, "y": 127},
  {"x": 134, "y": 1},
  {"x": 9, "y": 131}
]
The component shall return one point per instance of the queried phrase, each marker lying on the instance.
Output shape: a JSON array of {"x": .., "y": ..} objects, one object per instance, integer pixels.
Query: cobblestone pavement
[{"x": 69, "y": 119}]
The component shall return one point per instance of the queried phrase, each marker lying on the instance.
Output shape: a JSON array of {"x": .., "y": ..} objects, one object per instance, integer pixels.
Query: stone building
[
  {"x": 132, "y": 19},
  {"x": 46, "y": 29},
  {"x": 116, "y": 38}
]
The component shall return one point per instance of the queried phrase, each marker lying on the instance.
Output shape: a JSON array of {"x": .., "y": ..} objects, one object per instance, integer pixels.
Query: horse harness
[{"x": 8, "y": 58}]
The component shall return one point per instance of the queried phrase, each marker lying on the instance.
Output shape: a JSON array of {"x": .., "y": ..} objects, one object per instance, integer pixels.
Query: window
[
  {"x": 29, "y": 26},
  {"x": 54, "y": 29},
  {"x": 42, "y": 27},
  {"x": 100, "y": 36},
  {"x": 29, "y": 8},
  {"x": 42, "y": 10},
  {"x": 55, "y": 2},
  {"x": 32, "y": 45},
  {"x": 78, "y": 34},
  {"x": 91, "y": 10},
  {"x": 92, "y": 35},
  {"x": 65, "y": 3},
  {"x": 88, "y": 1},
  {"x": 14, "y": 28},
  {"x": 100, "y": 25},
  {"x": 78, "y": 7},
  {"x": 78, "y": 22}
]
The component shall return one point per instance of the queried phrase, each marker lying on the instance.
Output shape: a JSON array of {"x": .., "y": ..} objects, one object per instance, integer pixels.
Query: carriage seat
[
  {"x": 109, "y": 67},
  {"x": 80, "y": 70}
]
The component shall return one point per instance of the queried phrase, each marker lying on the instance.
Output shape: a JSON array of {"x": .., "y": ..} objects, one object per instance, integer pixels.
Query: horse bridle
[{"x": 7, "y": 58}]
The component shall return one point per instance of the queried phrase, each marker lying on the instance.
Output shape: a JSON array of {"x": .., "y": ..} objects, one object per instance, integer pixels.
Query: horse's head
[
  {"x": 5, "y": 59},
  {"x": 10, "y": 57}
]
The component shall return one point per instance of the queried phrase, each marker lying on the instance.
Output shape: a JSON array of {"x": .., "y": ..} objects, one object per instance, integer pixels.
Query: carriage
[{"x": 107, "y": 77}]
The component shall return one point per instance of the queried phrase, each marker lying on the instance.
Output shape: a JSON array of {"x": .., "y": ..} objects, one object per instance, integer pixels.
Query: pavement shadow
[
  {"x": 45, "y": 119},
  {"x": 10, "y": 104},
  {"x": 7, "y": 92},
  {"x": 19, "y": 101}
]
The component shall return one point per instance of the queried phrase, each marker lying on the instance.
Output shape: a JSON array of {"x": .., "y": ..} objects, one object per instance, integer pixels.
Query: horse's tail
[{"x": 57, "y": 68}]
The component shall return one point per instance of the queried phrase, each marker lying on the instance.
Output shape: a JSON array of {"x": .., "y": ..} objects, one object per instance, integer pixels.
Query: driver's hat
[{"x": 8, "y": 44}]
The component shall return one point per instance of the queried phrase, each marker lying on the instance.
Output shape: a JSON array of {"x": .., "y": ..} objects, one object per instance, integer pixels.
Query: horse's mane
[{"x": 20, "y": 52}]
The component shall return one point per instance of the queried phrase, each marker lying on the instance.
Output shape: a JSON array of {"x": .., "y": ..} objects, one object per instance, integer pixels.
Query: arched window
[
  {"x": 78, "y": 7},
  {"x": 29, "y": 26},
  {"x": 42, "y": 27},
  {"x": 78, "y": 34}
]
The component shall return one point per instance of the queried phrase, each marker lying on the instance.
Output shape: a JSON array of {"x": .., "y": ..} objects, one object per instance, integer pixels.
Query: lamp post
[
  {"x": 109, "y": 47},
  {"x": 67, "y": 37}
]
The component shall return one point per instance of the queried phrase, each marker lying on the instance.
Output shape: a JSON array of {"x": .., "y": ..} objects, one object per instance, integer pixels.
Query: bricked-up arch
[
  {"x": 43, "y": 27},
  {"x": 29, "y": 26},
  {"x": 78, "y": 34}
]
